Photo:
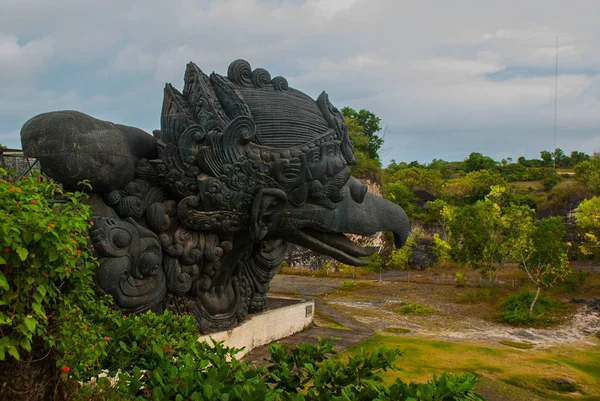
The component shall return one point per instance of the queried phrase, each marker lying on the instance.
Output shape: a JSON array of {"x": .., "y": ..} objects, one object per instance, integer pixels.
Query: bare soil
[{"x": 375, "y": 304}]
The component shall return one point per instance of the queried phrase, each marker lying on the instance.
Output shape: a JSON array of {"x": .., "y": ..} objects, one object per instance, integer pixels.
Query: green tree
[
  {"x": 588, "y": 173},
  {"x": 472, "y": 187},
  {"x": 481, "y": 235},
  {"x": 549, "y": 178},
  {"x": 547, "y": 158},
  {"x": 401, "y": 195},
  {"x": 366, "y": 165},
  {"x": 587, "y": 218},
  {"x": 419, "y": 179},
  {"x": 540, "y": 250},
  {"x": 577, "y": 157},
  {"x": 560, "y": 159},
  {"x": 476, "y": 161},
  {"x": 371, "y": 125}
]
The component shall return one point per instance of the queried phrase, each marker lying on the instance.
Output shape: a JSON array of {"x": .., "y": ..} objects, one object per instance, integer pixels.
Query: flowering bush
[{"x": 43, "y": 244}]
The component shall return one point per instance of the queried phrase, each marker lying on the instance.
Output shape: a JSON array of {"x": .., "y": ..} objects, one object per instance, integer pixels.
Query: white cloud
[
  {"x": 423, "y": 68},
  {"x": 133, "y": 58},
  {"x": 19, "y": 62}
]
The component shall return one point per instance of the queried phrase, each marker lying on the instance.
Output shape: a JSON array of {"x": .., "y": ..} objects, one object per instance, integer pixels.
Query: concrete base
[{"x": 283, "y": 317}]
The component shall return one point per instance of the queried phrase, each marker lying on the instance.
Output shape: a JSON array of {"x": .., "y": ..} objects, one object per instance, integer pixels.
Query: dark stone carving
[{"x": 197, "y": 218}]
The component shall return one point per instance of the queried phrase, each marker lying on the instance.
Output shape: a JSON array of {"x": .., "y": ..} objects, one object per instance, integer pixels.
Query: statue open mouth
[{"x": 336, "y": 245}]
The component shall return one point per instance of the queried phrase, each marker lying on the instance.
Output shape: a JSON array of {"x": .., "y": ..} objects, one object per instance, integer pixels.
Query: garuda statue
[{"x": 196, "y": 218}]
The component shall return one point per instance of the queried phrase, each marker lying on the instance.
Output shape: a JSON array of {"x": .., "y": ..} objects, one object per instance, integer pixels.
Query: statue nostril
[{"x": 358, "y": 191}]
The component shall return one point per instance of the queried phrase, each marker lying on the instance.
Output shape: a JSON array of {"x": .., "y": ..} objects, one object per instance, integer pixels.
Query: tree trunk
[{"x": 537, "y": 294}]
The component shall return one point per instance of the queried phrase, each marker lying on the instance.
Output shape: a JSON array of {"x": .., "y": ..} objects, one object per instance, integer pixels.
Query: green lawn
[{"x": 529, "y": 369}]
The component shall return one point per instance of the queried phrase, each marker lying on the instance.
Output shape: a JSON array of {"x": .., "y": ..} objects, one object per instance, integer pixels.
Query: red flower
[
  {"x": 6, "y": 249},
  {"x": 85, "y": 326},
  {"x": 78, "y": 252},
  {"x": 33, "y": 201},
  {"x": 46, "y": 275},
  {"x": 106, "y": 338},
  {"x": 66, "y": 369},
  {"x": 16, "y": 203},
  {"x": 11, "y": 188},
  {"x": 39, "y": 179}
]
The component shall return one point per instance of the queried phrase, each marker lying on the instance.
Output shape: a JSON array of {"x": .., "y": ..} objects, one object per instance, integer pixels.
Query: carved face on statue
[{"x": 243, "y": 165}]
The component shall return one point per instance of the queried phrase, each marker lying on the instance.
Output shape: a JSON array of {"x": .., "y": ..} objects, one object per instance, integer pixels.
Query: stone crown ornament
[{"x": 196, "y": 219}]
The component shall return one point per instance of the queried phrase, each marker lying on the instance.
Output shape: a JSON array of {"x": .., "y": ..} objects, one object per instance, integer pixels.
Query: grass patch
[
  {"x": 477, "y": 295},
  {"x": 515, "y": 309},
  {"x": 348, "y": 285},
  {"x": 323, "y": 320},
  {"x": 413, "y": 308},
  {"x": 531, "y": 372},
  {"x": 517, "y": 344},
  {"x": 396, "y": 330}
]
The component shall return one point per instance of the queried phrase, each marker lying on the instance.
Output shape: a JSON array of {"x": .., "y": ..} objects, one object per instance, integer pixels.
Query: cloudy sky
[{"x": 446, "y": 77}]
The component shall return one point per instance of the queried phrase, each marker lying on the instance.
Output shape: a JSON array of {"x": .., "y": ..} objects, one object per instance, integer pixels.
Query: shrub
[
  {"x": 414, "y": 308},
  {"x": 460, "y": 279},
  {"x": 43, "y": 247},
  {"x": 348, "y": 285},
  {"x": 515, "y": 309},
  {"x": 401, "y": 258}
]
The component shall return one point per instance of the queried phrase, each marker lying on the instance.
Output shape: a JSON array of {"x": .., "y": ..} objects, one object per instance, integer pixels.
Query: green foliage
[
  {"x": 515, "y": 309},
  {"x": 43, "y": 246},
  {"x": 370, "y": 124},
  {"x": 472, "y": 187},
  {"x": 375, "y": 263},
  {"x": 477, "y": 161},
  {"x": 413, "y": 308},
  {"x": 575, "y": 281},
  {"x": 588, "y": 173},
  {"x": 577, "y": 157},
  {"x": 348, "y": 285},
  {"x": 441, "y": 248},
  {"x": 418, "y": 179},
  {"x": 550, "y": 178},
  {"x": 460, "y": 279},
  {"x": 587, "y": 217},
  {"x": 540, "y": 250},
  {"x": 547, "y": 158},
  {"x": 402, "y": 196},
  {"x": 401, "y": 258},
  {"x": 481, "y": 235},
  {"x": 366, "y": 165}
]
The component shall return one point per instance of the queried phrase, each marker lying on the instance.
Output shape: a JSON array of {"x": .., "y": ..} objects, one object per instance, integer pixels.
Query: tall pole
[{"x": 555, "y": 101}]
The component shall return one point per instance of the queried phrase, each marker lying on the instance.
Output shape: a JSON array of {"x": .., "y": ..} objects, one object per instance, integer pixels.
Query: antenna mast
[{"x": 555, "y": 101}]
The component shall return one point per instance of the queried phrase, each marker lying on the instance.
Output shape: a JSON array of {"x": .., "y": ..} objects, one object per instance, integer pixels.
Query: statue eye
[
  {"x": 120, "y": 238},
  {"x": 314, "y": 156}
]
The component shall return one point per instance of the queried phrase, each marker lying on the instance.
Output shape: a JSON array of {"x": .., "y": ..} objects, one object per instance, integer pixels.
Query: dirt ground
[{"x": 374, "y": 304}]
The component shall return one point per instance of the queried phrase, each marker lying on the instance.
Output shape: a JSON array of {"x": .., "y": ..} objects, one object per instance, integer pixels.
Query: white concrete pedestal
[{"x": 283, "y": 317}]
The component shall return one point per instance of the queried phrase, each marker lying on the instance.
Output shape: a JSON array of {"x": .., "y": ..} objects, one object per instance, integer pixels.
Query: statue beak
[{"x": 322, "y": 229}]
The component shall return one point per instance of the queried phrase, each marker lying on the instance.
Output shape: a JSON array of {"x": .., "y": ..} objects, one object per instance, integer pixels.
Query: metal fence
[{"x": 16, "y": 161}]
